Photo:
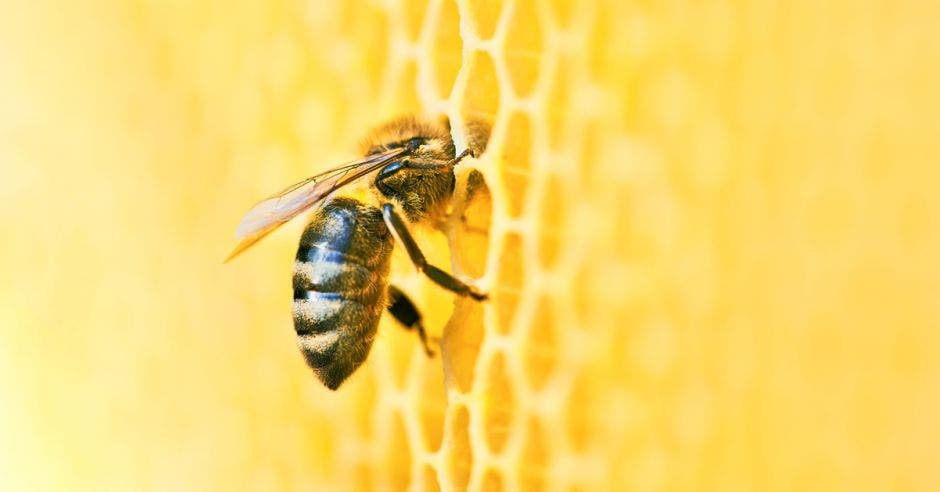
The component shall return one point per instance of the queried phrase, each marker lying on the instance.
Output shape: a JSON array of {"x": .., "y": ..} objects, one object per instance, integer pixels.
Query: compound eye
[
  {"x": 414, "y": 143},
  {"x": 386, "y": 172}
]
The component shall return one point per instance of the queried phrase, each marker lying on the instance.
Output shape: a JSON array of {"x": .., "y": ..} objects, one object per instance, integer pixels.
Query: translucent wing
[{"x": 274, "y": 211}]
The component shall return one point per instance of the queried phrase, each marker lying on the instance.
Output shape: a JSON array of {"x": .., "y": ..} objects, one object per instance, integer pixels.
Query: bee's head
[{"x": 421, "y": 180}]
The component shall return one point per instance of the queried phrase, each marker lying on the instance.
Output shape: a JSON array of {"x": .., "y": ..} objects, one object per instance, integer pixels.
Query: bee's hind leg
[
  {"x": 401, "y": 307},
  {"x": 440, "y": 277}
]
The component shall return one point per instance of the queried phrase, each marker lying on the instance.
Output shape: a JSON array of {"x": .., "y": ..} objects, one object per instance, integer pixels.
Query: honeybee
[{"x": 341, "y": 270}]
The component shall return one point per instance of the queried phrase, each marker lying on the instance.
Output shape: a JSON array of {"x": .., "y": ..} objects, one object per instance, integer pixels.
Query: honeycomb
[{"x": 709, "y": 231}]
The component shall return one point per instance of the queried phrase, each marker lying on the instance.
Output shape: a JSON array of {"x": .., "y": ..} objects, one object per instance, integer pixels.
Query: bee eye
[{"x": 414, "y": 143}]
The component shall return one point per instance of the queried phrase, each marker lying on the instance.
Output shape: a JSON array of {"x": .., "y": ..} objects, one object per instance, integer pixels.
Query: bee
[{"x": 341, "y": 270}]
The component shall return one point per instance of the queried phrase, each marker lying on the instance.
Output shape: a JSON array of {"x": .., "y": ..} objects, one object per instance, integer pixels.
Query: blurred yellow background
[{"x": 713, "y": 253}]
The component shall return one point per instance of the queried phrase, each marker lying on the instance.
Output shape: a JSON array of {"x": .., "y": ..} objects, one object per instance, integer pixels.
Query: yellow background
[{"x": 713, "y": 253}]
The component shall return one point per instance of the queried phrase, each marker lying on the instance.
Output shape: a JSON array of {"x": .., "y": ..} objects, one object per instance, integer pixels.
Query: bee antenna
[{"x": 463, "y": 154}]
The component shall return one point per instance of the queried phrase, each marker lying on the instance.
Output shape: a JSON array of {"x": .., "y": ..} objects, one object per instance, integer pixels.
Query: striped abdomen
[{"x": 340, "y": 283}]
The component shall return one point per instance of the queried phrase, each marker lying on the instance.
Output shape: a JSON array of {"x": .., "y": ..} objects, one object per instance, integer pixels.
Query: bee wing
[{"x": 274, "y": 211}]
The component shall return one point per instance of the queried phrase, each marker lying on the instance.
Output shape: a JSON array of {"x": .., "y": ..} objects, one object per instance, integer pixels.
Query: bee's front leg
[{"x": 398, "y": 228}]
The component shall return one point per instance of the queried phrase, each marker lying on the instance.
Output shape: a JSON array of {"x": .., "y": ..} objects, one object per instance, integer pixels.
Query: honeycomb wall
[{"x": 709, "y": 231}]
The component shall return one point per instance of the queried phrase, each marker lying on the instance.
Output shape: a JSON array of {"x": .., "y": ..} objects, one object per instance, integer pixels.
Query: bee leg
[
  {"x": 440, "y": 277},
  {"x": 407, "y": 314}
]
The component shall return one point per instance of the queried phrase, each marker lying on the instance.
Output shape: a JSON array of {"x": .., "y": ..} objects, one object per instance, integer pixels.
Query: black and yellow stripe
[{"x": 340, "y": 283}]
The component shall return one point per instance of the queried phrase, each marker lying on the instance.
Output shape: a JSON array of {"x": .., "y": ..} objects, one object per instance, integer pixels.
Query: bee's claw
[{"x": 477, "y": 295}]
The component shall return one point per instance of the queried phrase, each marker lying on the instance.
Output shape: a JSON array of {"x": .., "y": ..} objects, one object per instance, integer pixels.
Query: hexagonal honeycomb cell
[
  {"x": 472, "y": 220},
  {"x": 531, "y": 469},
  {"x": 558, "y": 99},
  {"x": 552, "y": 226},
  {"x": 458, "y": 451},
  {"x": 463, "y": 338},
  {"x": 510, "y": 282},
  {"x": 445, "y": 48},
  {"x": 398, "y": 455},
  {"x": 516, "y": 153},
  {"x": 524, "y": 48},
  {"x": 431, "y": 404},
  {"x": 708, "y": 232},
  {"x": 481, "y": 92},
  {"x": 499, "y": 404},
  {"x": 541, "y": 352}
]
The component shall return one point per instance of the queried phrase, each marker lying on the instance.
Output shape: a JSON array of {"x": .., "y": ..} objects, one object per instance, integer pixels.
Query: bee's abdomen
[{"x": 340, "y": 282}]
